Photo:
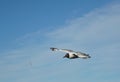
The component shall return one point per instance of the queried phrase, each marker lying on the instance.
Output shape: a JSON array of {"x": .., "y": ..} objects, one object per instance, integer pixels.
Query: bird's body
[{"x": 72, "y": 54}]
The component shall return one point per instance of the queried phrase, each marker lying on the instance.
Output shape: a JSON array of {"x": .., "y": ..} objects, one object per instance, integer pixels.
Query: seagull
[{"x": 70, "y": 54}]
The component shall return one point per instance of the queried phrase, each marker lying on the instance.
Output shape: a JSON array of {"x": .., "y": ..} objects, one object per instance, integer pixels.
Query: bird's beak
[{"x": 63, "y": 56}]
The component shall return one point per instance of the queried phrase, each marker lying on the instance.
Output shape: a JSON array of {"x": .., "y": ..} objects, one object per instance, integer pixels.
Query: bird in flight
[{"x": 72, "y": 54}]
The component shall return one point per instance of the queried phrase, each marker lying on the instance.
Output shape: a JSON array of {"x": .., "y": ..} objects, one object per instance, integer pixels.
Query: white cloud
[{"x": 96, "y": 25}]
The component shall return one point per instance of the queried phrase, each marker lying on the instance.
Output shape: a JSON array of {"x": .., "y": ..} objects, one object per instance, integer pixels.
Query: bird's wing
[
  {"x": 80, "y": 54},
  {"x": 62, "y": 50},
  {"x": 66, "y": 50}
]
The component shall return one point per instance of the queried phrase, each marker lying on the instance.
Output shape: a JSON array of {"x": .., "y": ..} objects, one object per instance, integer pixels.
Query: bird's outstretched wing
[
  {"x": 83, "y": 55},
  {"x": 54, "y": 49},
  {"x": 62, "y": 50}
]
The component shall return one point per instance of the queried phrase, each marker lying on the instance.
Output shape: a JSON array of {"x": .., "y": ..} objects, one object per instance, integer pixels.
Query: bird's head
[{"x": 66, "y": 56}]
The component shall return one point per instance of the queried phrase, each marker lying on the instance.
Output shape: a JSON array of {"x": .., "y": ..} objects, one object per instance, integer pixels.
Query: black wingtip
[{"x": 53, "y": 49}]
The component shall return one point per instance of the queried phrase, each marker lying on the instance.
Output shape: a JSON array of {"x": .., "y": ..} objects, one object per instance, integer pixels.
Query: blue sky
[{"x": 29, "y": 27}]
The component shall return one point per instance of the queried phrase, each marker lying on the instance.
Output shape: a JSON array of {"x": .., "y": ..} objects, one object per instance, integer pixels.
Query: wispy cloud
[
  {"x": 96, "y": 33},
  {"x": 97, "y": 25}
]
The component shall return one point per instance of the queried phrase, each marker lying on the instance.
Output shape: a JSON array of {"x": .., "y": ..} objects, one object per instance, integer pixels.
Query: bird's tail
[
  {"x": 88, "y": 56},
  {"x": 54, "y": 49}
]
